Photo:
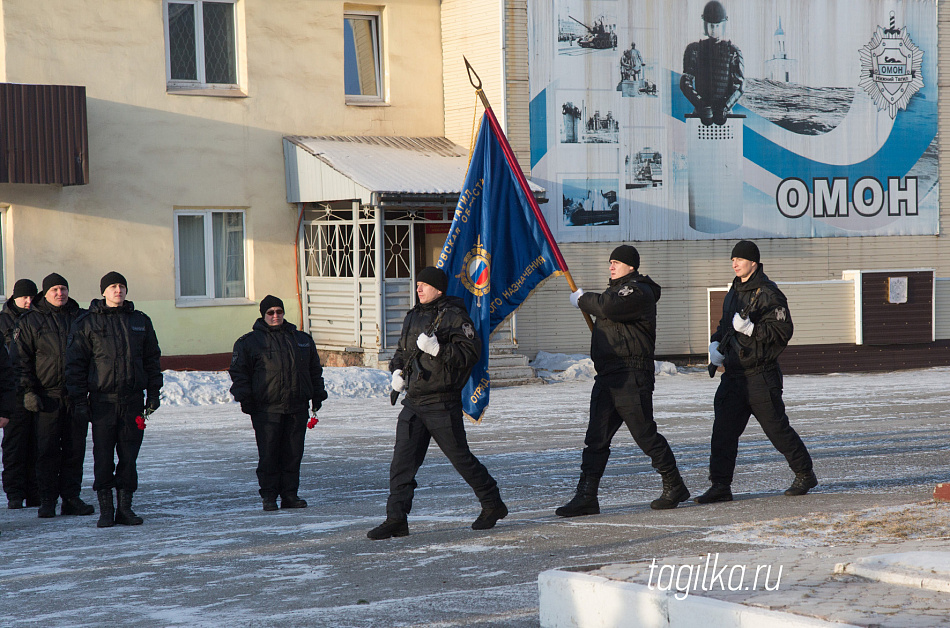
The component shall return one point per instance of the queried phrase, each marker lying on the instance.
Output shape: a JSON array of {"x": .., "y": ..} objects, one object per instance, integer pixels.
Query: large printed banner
[{"x": 688, "y": 119}]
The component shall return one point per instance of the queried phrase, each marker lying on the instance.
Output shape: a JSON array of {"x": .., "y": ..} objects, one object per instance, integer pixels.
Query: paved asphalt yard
[{"x": 208, "y": 555}]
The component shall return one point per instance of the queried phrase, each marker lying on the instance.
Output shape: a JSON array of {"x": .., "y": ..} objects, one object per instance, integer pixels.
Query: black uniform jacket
[
  {"x": 9, "y": 316},
  {"x": 40, "y": 341},
  {"x": 7, "y": 385},
  {"x": 431, "y": 379},
  {"x": 624, "y": 335},
  {"x": 769, "y": 313},
  {"x": 276, "y": 369},
  {"x": 113, "y": 355}
]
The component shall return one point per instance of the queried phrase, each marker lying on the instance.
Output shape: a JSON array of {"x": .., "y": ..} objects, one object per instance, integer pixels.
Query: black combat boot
[
  {"x": 802, "y": 484},
  {"x": 490, "y": 516},
  {"x": 716, "y": 493},
  {"x": 124, "y": 514},
  {"x": 47, "y": 508},
  {"x": 584, "y": 501},
  {"x": 75, "y": 506},
  {"x": 388, "y": 529},
  {"x": 674, "y": 491},
  {"x": 106, "y": 508},
  {"x": 292, "y": 501},
  {"x": 15, "y": 503},
  {"x": 270, "y": 503}
]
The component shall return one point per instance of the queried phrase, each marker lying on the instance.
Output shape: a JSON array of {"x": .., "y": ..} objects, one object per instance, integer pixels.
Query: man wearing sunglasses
[{"x": 276, "y": 373}]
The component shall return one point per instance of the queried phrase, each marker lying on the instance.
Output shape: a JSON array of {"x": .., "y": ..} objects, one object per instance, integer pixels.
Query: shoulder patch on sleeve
[
  {"x": 627, "y": 290},
  {"x": 781, "y": 314},
  {"x": 468, "y": 330}
]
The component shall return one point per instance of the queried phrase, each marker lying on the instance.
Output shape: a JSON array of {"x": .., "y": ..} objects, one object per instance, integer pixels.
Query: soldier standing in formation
[
  {"x": 755, "y": 328},
  {"x": 19, "y": 436},
  {"x": 114, "y": 377},
  {"x": 40, "y": 343},
  {"x": 436, "y": 352},
  {"x": 621, "y": 347},
  {"x": 275, "y": 374}
]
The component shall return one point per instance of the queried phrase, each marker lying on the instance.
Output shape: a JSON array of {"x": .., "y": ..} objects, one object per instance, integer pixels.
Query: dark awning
[{"x": 43, "y": 134}]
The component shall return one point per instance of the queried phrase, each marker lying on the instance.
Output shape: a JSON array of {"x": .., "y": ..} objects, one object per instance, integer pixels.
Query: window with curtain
[
  {"x": 361, "y": 62},
  {"x": 201, "y": 43},
  {"x": 210, "y": 254}
]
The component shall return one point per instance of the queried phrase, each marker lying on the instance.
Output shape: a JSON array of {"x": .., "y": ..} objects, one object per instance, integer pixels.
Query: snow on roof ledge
[{"x": 328, "y": 168}]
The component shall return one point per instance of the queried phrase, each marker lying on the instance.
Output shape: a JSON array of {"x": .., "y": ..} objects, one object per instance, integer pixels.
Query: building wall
[
  {"x": 152, "y": 152},
  {"x": 472, "y": 28}
]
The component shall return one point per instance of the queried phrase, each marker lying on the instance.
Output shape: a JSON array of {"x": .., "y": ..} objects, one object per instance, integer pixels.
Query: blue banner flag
[{"x": 497, "y": 250}]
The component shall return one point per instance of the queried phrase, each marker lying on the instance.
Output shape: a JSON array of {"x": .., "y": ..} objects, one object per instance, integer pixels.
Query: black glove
[
  {"x": 32, "y": 402},
  {"x": 247, "y": 407},
  {"x": 706, "y": 115},
  {"x": 152, "y": 404},
  {"x": 81, "y": 411},
  {"x": 719, "y": 117},
  {"x": 315, "y": 403}
]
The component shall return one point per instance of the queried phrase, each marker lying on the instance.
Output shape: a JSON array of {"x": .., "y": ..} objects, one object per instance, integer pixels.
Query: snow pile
[
  {"x": 196, "y": 388},
  {"x": 563, "y": 367},
  {"x": 200, "y": 388},
  {"x": 356, "y": 381}
]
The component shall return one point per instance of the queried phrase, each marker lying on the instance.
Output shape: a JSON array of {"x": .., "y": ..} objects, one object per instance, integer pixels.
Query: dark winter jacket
[
  {"x": 113, "y": 355},
  {"x": 770, "y": 315},
  {"x": 439, "y": 378},
  {"x": 40, "y": 343},
  {"x": 276, "y": 370},
  {"x": 624, "y": 335},
  {"x": 7, "y": 385},
  {"x": 9, "y": 316}
]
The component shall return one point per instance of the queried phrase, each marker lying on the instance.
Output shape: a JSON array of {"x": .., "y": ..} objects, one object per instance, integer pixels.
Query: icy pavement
[{"x": 208, "y": 555}]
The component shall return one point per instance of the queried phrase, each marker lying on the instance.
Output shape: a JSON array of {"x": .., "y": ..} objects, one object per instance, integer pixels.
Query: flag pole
[{"x": 522, "y": 181}]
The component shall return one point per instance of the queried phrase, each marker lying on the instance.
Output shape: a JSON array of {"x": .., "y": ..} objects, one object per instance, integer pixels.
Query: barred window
[{"x": 201, "y": 43}]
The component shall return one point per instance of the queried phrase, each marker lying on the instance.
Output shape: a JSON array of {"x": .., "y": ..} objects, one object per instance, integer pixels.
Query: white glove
[
  {"x": 575, "y": 296},
  {"x": 429, "y": 344},
  {"x": 742, "y": 325},
  {"x": 714, "y": 356},
  {"x": 399, "y": 384}
]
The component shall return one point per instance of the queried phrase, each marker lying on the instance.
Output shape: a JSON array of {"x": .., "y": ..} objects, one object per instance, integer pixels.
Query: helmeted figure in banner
[
  {"x": 755, "y": 328},
  {"x": 436, "y": 352},
  {"x": 276, "y": 374},
  {"x": 19, "y": 436},
  {"x": 41, "y": 356},
  {"x": 622, "y": 346},
  {"x": 114, "y": 378},
  {"x": 713, "y": 72}
]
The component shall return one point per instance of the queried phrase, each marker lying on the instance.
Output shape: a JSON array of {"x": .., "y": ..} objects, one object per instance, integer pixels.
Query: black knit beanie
[
  {"x": 54, "y": 279},
  {"x": 270, "y": 301},
  {"x": 746, "y": 250},
  {"x": 434, "y": 277},
  {"x": 24, "y": 288},
  {"x": 110, "y": 278},
  {"x": 626, "y": 254}
]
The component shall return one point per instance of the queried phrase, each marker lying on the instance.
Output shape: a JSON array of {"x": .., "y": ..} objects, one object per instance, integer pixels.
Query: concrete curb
[
  {"x": 885, "y": 569},
  {"x": 580, "y": 600}
]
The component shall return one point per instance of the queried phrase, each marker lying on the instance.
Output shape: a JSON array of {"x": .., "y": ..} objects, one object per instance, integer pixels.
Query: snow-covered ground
[{"x": 208, "y": 555}]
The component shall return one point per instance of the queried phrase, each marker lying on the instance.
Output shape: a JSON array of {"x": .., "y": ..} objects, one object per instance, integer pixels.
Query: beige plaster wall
[{"x": 151, "y": 152}]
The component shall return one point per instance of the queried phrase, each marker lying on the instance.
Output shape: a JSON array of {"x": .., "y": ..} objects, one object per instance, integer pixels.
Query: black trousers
[
  {"x": 280, "y": 439},
  {"x": 115, "y": 435},
  {"x": 739, "y": 396},
  {"x": 61, "y": 448},
  {"x": 19, "y": 455},
  {"x": 618, "y": 398},
  {"x": 415, "y": 428}
]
